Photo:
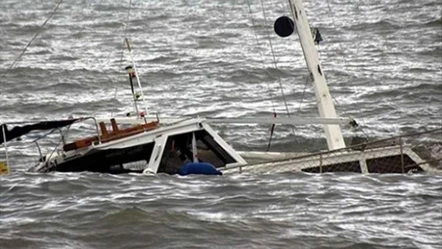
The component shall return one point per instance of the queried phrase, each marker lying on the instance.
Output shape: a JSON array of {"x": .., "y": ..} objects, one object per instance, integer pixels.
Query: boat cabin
[{"x": 149, "y": 148}]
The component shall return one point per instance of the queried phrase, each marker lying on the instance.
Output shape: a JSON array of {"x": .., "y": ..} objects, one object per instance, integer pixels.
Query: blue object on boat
[{"x": 198, "y": 169}]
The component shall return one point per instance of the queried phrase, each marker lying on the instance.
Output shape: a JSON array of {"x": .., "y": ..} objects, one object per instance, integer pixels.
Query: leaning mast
[{"x": 335, "y": 140}]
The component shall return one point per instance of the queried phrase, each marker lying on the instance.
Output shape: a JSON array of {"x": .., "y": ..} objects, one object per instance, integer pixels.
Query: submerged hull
[
  {"x": 392, "y": 160},
  {"x": 167, "y": 149}
]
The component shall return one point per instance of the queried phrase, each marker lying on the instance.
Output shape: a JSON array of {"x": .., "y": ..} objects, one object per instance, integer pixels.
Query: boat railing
[
  {"x": 399, "y": 154},
  {"x": 45, "y": 135}
]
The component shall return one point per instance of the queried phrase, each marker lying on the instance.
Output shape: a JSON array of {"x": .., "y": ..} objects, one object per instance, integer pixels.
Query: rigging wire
[
  {"x": 267, "y": 71},
  {"x": 272, "y": 96},
  {"x": 274, "y": 60},
  {"x": 335, "y": 27},
  {"x": 261, "y": 54},
  {"x": 125, "y": 30},
  {"x": 307, "y": 80},
  {"x": 344, "y": 59},
  {"x": 272, "y": 129},
  {"x": 124, "y": 45},
  {"x": 339, "y": 44},
  {"x": 127, "y": 18},
  {"x": 33, "y": 38}
]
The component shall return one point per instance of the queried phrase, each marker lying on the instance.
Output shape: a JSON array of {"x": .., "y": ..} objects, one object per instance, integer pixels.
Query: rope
[{"x": 33, "y": 38}]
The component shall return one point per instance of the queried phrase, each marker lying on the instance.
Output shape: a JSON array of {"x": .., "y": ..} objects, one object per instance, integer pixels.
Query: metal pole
[
  {"x": 96, "y": 129},
  {"x": 136, "y": 75},
  {"x": 402, "y": 154},
  {"x": 6, "y": 147},
  {"x": 133, "y": 94}
]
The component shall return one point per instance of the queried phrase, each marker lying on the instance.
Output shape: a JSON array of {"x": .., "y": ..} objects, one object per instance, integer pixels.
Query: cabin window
[
  {"x": 135, "y": 159},
  {"x": 115, "y": 161},
  {"x": 392, "y": 164},
  {"x": 178, "y": 151},
  {"x": 338, "y": 167}
]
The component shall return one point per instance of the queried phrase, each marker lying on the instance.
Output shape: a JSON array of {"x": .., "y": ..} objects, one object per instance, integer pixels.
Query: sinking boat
[{"x": 191, "y": 146}]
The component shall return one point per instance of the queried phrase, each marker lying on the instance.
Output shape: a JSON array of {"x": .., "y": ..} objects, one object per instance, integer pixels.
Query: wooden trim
[{"x": 111, "y": 136}]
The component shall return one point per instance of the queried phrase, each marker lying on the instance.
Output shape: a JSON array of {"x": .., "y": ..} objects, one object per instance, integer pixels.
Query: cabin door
[{"x": 157, "y": 153}]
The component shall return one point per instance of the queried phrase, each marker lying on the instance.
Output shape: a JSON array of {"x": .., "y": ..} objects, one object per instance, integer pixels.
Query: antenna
[{"x": 133, "y": 72}]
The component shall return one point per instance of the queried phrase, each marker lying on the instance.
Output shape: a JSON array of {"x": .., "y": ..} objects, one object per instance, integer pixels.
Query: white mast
[{"x": 326, "y": 108}]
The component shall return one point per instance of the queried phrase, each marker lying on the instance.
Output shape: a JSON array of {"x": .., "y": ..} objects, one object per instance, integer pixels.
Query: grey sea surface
[{"x": 383, "y": 61}]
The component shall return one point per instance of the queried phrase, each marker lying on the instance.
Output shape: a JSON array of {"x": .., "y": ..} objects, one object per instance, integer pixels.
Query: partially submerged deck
[{"x": 392, "y": 155}]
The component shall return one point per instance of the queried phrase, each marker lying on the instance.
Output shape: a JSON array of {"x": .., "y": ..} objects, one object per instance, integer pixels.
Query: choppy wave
[
  {"x": 295, "y": 210},
  {"x": 383, "y": 62}
]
